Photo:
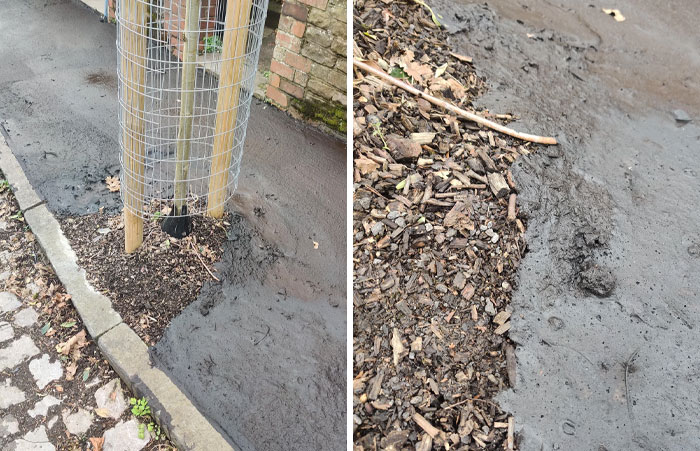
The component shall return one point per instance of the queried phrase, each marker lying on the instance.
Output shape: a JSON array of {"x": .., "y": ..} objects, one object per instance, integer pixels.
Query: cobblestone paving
[{"x": 56, "y": 390}]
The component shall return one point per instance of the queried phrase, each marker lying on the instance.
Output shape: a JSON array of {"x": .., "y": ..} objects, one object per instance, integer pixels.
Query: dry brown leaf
[
  {"x": 365, "y": 165},
  {"x": 102, "y": 412},
  {"x": 76, "y": 342},
  {"x": 70, "y": 371},
  {"x": 97, "y": 443}
]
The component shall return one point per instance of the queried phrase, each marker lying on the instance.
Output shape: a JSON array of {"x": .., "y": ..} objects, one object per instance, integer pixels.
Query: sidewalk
[{"x": 56, "y": 389}]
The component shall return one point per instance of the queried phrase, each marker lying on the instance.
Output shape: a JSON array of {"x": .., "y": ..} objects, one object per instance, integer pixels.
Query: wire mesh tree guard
[{"x": 186, "y": 74}]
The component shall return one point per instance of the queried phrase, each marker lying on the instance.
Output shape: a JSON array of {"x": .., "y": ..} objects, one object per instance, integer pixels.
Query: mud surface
[
  {"x": 608, "y": 304},
  {"x": 263, "y": 353}
]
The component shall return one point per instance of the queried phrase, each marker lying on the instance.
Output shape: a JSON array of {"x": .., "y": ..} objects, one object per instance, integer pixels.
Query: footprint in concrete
[{"x": 569, "y": 428}]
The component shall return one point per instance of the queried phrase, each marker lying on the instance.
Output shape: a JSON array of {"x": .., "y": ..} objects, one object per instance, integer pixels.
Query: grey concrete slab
[{"x": 16, "y": 352}]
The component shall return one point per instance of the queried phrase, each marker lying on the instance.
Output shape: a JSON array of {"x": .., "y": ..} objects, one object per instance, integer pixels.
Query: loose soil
[
  {"x": 151, "y": 286},
  {"x": 32, "y": 280},
  {"x": 435, "y": 253}
]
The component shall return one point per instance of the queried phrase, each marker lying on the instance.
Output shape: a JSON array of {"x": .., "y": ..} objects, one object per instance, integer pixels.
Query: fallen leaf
[
  {"x": 112, "y": 184},
  {"x": 617, "y": 15},
  {"x": 77, "y": 341},
  {"x": 365, "y": 165},
  {"x": 102, "y": 412},
  {"x": 440, "y": 70},
  {"x": 70, "y": 371},
  {"x": 97, "y": 443}
]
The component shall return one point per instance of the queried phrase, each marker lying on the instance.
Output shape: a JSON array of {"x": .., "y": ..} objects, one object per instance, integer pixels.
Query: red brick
[
  {"x": 277, "y": 96},
  {"x": 281, "y": 69},
  {"x": 275, "y": 80},
  {"x": 320, "y": 4},
  {"x": 299, "y": 12},
  {"x": 288, "y": 41},
  {"x": 286, "y": 23},
  {"x": 290, "y": 88},
  {"x": 298, "y": 28},
  {"x": 298, "y": 62}
]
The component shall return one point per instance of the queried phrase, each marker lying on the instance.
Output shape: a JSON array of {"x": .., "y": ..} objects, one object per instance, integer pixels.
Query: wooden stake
[
  {"x": 133, "y": 66},
  {"x": 233, "y": 55},
  {"x": 184, "y": 129},
  {"x": 459, "y": 111}
]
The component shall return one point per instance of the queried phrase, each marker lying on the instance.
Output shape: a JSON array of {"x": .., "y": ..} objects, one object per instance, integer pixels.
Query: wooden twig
[
  {"x": 202, "y": 262},
  {"x": 459, "y": 111},
  {"x": 511, "y": 207},
  {"x": 466, "y": 400},
  {"x": 431, "y": 430}
]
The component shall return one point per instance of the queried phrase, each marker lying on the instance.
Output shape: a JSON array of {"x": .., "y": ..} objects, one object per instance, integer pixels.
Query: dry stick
[
  {"x": 202, "y": 262},
  {"x": 465, "y": 114},
  {"x": 511, "y": 207},
  {"x": 184, "y": 129},
  {"x": 133, "y": 67},
  {"x": 233, "y": 55}
]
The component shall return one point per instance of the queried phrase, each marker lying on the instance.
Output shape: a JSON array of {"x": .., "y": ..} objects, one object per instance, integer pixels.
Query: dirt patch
[
  {"x": 151, "y": 286},
  {"x": 107, "y": 79},
  {"x": 435, "y": 248}
]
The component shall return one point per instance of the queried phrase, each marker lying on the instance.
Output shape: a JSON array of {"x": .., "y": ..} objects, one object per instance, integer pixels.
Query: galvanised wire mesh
[{"x": 186, "y": 74}]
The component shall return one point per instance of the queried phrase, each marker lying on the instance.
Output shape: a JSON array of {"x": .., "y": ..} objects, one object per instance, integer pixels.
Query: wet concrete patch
[{"x": 607, "y": 303}]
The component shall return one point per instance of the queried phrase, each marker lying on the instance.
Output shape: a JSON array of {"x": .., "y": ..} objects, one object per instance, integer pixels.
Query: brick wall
[
  {"x": 174, "y": 23},
  {"x": 308, "y": 69}
]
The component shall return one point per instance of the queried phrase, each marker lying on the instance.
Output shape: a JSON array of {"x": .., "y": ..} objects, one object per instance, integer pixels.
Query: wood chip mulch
[
  {"x": 435, "y": 249},
  {"x": 151, "y": 286}
]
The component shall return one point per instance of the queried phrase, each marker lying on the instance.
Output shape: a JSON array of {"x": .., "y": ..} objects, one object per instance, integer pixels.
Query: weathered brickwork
[{"x": 308, "y": 70}]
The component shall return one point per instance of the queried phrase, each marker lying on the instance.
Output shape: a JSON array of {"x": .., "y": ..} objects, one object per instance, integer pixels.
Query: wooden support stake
[
  {"x": 184, "y": 129},
  {"x": 133, "y": 67},
  {"x": 233, "y": 56}
]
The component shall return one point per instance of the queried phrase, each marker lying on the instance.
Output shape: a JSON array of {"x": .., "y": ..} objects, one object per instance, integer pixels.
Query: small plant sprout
[
  {"x": 212, "y": 44},
  {"x": 4, "y": 185},
  {"x": 379, "y": 132},
  {"x": 140, "y": 407}
]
